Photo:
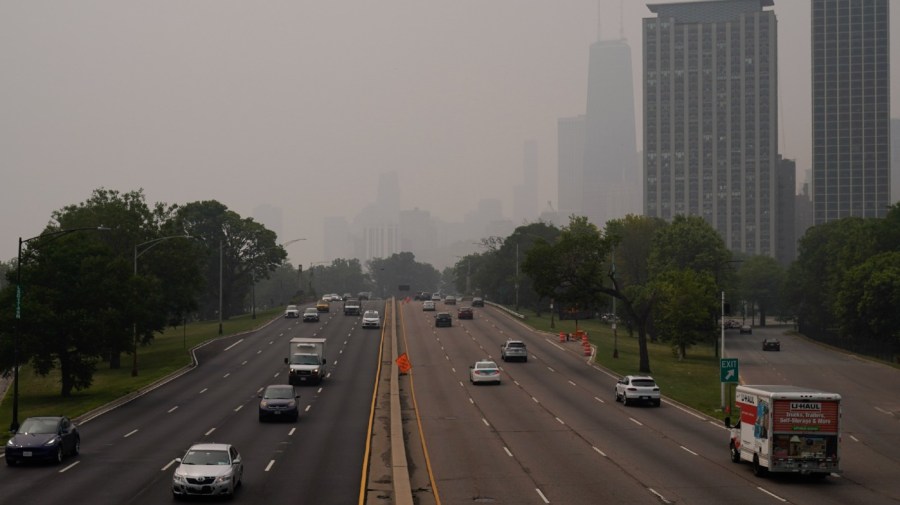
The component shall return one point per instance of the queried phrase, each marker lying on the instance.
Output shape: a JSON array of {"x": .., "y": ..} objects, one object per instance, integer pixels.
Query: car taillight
[{"x": 632, "y": 388}]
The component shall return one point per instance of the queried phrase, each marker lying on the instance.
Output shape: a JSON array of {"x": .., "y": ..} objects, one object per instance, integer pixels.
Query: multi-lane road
[{"x": 550, "y": 433}]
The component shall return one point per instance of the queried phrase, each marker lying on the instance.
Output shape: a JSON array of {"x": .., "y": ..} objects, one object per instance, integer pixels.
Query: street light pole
[
  {"x": 722, "y": 338},
  {"x": 150, "y": 244},
  {"x": 14, "y": 425}
]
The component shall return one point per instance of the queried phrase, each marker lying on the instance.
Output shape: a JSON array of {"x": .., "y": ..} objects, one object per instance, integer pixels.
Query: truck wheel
[
  {"x": 758, "y": 469},
  {"x": 735, "y": 454}
]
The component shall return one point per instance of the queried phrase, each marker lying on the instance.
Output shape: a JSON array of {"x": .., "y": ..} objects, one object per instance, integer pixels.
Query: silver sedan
[
  {"x": 208, "y": 470},
  {"x": 484, "y": 371}
]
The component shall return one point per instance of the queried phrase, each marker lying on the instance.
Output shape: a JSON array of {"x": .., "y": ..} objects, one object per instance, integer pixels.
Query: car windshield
[
  {"x": 279, "y": 393},
  {"x": 291, "y": 307},
  {"x": 304, "y": 359},
  {"x": 310, "y": 310},
  {"x": 371, "y": 313},
  {"x": 644, "y": 383},
  {"x": 38, "y": 426},
  {"x": 206, "y": 457},
  {"x": 515, "y": 344},
  {"x": 485, "y": 364}
]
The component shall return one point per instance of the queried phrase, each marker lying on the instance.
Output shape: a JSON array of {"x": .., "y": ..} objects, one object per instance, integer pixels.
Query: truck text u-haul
[{"x": 787, "y": 429}]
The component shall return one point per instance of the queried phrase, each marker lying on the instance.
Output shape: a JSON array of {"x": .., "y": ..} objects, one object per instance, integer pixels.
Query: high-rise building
[
  {"x": 785, "y": 226},
  {"x": 710, "y": 124},
  {"x": 611, "y": 176},
  {"x": 895, "y": 160},
  {"x": 570, "y": 167},
  {"x": 851, "y": 104},
  {"x": 525, "y": 196}
]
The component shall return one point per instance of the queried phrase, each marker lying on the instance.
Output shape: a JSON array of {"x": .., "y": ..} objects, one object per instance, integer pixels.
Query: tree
[
  {"x": 761, "y": 283},
  {"x": 402, "y": 269},
  {"x": 685, "y": 299},
  {"x": 868, "y": 299}
]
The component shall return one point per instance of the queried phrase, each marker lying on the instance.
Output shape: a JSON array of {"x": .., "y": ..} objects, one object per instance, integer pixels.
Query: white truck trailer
[
  {"x": 787, "y": 429},
  {"x": 306, "y": 361}
]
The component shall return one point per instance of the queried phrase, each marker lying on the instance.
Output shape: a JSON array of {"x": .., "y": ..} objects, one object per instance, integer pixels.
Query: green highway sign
[{"x": 728, "y": 370}]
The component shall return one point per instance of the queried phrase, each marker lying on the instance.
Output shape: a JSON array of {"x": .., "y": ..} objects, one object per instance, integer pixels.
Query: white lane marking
[
  {"x": 854, "y": 438},
  {"x": 560, "y": 421},
  {"x": 773, "y": 495},
  {"x": 485, "y": 421},
  {"x": 686, "y": 411},
  {"x": 226, "y": 375},
  {"x": 319, "y": 391},
  {"x": 132, "y": 432},
  {"x": 535, "y": 400},
  {"x": 244, "y": 363},
  {"x": 307, "y": 408},
  {"x": 516, "y": 383},
  {"x": 259, "y": 351},
  {"x": 204, "y": 390},
  {"x": 168, "y": 465},
  {"x": 661, "y": 497},
  {"x": 208, "y": 433},
  {"x": 269, "y": 466},
  {"x": 561, "y": 348},
  {"x": 69, "y": 467},
  {"x": 542, "y": 495},
  {"x": 341, "y": 351},
  {"x": 599, "y": 451},
  {"x": 552, "y": 370},
  {"x": 599, "y": 400},
  {"x": 690, "y": 451},
  {"x": 461, "y": 384},
  {"x": 572, "y": 383},
  {"x": 173, "y": 409},
  {"x": 879, "y": 409},
  {"x": 453, "y": 369},
  {"x": 276, "y": 374},
  {"x": 635, "y": 421},
  {"x": 507, "y": 452},
  {"x": 291, "y": 433},
  {"x": 234, "y": 344},
  {"x": 239, "y": 407},
  {"x": 471, "y": 401}
]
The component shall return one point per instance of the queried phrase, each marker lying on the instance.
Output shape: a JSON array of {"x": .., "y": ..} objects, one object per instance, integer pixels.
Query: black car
[
  {"x": 771, "y": 345},
  {"x": 477, "y": 302},
  {"x": 43, "y": 439},
  {"x": 443, "y": 319},
  {"x": 279, "y": 401}
]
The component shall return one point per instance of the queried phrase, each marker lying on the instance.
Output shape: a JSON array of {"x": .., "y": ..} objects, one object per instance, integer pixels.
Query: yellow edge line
[{"x": 365, "y": 468}]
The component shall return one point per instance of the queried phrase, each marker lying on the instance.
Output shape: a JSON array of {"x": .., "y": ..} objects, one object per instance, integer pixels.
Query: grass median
[{"x": 169, "y": 352}]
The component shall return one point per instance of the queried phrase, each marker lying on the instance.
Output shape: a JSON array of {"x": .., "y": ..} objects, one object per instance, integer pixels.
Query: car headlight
[
  {"x": 223, "y": 478},
  {"x": 53, "y": 441},
  {"x": 291, "y": 404},
  {"x": 10, "y": 443},
  {"x": 263, "y": 404},
  {"x": 178, "y": 478}
]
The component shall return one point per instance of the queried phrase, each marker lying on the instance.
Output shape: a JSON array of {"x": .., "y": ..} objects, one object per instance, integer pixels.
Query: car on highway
[
  {"x": 428, "y": 305},
  {"x": 291, "y": 311},
  {"x": 465, "y": 313},
  {"x": 371, "y": 319},
  {"x": 514, "y": 350},
  {"x": 347, "y": 296},
  {"x": 746, "y": 329},
  {"x": 45, "y": 438},
  {"x": 436, "y": 297},
  {"x": 279, "y": 401},
  {"x": 443, "y": 319},
  {"x": 484, "y": 371},
  {"x": 478, "y": 302},
  {"x": 450, "y": 300},
  {"x": 323, "y": 306},
  {"x": 208, "y": 470},
  {"x": 636, "y": 389},
  {"x": 311, "y": 315},
  {"x": 771, "y": 344}
]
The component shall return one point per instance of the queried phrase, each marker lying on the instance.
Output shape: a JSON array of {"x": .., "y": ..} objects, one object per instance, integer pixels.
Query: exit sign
[{"x": 728, "y": 370}]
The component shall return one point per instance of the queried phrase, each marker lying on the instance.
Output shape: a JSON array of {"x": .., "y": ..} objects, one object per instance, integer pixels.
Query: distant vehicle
[
  {"x": 465, "y": 313},
  {"x": 731, "y": 324},
  {"x": 436, "y": 297},
  {"x": 443, "y": 319},
  {"x": 428, "y": 305},
  {"x": 514, "y": 349},
  {"x": 291, "y": 311},
  {"x": 208, "y": 470},
  {"x": 279, "y": 401},
  {"x": 637, "y": 388},
  {"x": 323, "y": 306},
  {"x": 311, "y": 315},
  {"x": 484, "y": 371},
  {"x": 450, "y": 300},
  {"x": 364, "y": 295},
  {"x": 347, "y": 296},
  {"x": 746, "y": 329},
  {"x": 351, "y": 307},
  {"x": 371, "y": 319},
  {"x": 787, "y": 429},
  {"x": 49, "y": 438},
  {"x": 306, "y": 361},
  {"x": 771, "y": 344},
  {"x": 422, "y": 295},
  {"x": 478, "y": 302}
]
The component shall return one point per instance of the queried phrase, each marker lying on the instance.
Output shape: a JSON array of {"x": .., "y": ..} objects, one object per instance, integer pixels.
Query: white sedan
[
  {"x": 484, "y": 371},
  {"x": 427, "y": 305}
]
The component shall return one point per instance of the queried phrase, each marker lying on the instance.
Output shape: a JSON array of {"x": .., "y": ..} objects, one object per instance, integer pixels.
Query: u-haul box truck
[{"x": 787, "y": 429}]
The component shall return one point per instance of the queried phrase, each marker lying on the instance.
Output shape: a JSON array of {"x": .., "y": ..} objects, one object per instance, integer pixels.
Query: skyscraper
[
  {"x": 570, "y": 167},
  {"x": 851, "y": 109},
  {"x": 610, "y": 179},
  {"x": 710, "y": 124},
  {"x": 525, "y": 195}
]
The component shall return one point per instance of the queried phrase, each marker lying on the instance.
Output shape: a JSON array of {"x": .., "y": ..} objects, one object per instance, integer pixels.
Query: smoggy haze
[{"x": 301, "y": 104}]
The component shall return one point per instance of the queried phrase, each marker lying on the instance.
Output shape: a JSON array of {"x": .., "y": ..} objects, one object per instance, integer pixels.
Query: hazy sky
[{"x": 301, "y": 104}]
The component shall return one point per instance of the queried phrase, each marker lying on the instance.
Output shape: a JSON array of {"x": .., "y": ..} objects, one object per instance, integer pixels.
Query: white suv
[
  {"x": 371, "y": 319},
  {"x": 637, "y": 388}
]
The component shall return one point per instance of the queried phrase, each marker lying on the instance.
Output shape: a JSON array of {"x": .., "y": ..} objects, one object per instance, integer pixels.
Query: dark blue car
[{"x": 43, "y": 439}]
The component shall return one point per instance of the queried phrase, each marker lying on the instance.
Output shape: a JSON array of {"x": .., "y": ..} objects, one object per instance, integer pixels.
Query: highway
[
  {"x": 552, "y": 433},
  {"x": 127, "y": 454}
]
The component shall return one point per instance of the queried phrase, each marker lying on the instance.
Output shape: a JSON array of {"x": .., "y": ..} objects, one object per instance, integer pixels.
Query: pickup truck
[{"x": 514, "y": 349}]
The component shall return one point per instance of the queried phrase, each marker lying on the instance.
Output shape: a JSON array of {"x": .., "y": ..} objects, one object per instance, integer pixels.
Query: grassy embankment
[{"x": 168, "y": 353}]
